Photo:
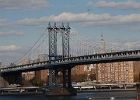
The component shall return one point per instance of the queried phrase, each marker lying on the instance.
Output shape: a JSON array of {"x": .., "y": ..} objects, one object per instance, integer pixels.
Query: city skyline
[{"x": 23, "y": 22}]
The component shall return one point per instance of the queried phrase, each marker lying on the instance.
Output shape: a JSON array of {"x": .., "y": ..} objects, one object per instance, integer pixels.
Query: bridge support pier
[
  {"x": 56, "y": 77},
  {"x": 67, "y": 88},
  {"x": 67, "y": 77},
  {"x": 50, "y": 78}
]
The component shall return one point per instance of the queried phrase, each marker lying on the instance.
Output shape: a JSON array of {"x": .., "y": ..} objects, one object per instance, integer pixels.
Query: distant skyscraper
[{"x": 102, "y": 45}]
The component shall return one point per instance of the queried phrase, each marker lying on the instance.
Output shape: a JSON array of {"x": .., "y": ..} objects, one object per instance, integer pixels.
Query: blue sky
[{"x": 23, "y": 21}]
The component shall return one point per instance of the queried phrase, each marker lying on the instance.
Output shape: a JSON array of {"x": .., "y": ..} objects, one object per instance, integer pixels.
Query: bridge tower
[
  {"x": 65, "y": 40},
  {"x": 66, "y": 70}
]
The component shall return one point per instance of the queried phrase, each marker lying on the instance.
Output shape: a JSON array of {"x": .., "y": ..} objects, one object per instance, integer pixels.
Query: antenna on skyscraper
[{"x": 102, "y": 36}]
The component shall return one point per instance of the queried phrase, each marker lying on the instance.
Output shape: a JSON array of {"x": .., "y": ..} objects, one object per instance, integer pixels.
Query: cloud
[
  {"x": 31, "y": 21},
  {"x": 124, "y": 45},
  {"x": 11, "y": 33},
  {"x": 130, "y": 4},
  {"x": 3, "y": 22},
  {"x": 81, "y": 17},
  {"x": 65, "y": 17},
  {"x": 28, "y": 5},
  {"x": 10, "y": 48},
  {"x": 128, "y": 20},
  {"x": 84, "y": 19},
  {"x": 11, "y": 53}
]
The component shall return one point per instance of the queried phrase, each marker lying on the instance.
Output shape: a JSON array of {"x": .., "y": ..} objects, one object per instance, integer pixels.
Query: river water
[{"x": 126, "y": 95}]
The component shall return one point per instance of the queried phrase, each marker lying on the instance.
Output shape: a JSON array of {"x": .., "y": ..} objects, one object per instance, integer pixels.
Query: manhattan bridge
[{"x": 59, "y": 49}]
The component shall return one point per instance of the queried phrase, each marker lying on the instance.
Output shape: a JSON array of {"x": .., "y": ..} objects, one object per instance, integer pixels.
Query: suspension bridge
[{"x": 58, "y": 49}]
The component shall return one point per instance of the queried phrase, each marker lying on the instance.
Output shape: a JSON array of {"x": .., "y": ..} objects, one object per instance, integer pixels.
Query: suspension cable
[{"x": 31, "y": 47}]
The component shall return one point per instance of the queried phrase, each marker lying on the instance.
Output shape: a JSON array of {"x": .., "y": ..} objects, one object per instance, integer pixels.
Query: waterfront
[{"x": 123, "y": 95}]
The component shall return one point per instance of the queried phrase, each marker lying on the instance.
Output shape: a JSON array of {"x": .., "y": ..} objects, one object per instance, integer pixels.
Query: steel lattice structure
[
  {"x": 52, "y": 42},
  {"x": 65, "y": 40},
  {"x": 65, "y": 33}
]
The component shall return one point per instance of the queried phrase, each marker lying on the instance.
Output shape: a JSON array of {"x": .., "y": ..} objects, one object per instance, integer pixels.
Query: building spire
[{"x": 102, "y": 36}]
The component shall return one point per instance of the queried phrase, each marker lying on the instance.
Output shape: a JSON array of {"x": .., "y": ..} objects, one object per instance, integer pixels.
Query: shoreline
[
  {"x": 78, "y": 91},
  {"x": 23, "y": 93}
]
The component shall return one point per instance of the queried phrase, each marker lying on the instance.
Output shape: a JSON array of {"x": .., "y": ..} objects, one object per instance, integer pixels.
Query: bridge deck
[{"x": 86, "y": 59}]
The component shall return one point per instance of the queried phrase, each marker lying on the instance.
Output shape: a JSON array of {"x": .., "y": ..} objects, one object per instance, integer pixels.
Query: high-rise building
[
  {"x": 42, "y": 74},
  {"x": 136, "y": 67},
  {"x": 120, "y": 72},
  {"x": 102, "y": 45},
  {"x": 79, "y": 69}
]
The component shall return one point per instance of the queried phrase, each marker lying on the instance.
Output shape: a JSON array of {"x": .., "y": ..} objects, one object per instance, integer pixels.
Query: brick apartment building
[
  {"x": 42, "y": 74},
  {"x": 79, "y": 69},
  {"x": 119, "y": 72}
]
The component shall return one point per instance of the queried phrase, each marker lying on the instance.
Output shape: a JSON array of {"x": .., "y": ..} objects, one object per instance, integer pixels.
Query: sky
[{"x": 23, "y": 21}]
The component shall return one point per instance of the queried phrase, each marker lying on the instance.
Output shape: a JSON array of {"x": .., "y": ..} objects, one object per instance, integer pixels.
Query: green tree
[
  {"x": 92, "y": 77},
  {"x": 74, "y": 78},
  {"x": 82, "y": 77},
  {"x": 36, "y": 81},
  {"x": 79, "y": 78}
]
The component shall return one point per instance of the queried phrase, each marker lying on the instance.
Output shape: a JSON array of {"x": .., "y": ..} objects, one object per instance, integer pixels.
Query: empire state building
[{"x": 102, "y": 45}]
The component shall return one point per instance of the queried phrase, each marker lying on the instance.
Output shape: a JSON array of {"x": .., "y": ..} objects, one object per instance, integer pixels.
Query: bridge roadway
[{"x": 86, "y": 59}]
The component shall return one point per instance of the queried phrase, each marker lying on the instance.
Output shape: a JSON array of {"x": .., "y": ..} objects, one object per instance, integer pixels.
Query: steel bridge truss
[{"x": 65, "y": 33}]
